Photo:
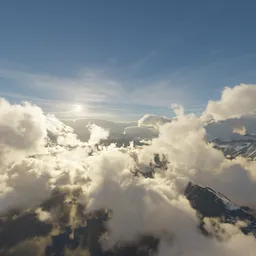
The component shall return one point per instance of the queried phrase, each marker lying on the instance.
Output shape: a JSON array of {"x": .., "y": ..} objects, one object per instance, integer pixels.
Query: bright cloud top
[{"x": 234, "y": 102}]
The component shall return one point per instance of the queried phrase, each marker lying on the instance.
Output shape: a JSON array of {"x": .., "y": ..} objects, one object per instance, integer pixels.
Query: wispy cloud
[
  {"x": 98, "y": 91},
  {"x": 87, "y": 84}
]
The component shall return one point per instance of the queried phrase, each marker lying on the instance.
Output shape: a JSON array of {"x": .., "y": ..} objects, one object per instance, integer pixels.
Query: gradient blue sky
[{"x": 122, "y": 59}]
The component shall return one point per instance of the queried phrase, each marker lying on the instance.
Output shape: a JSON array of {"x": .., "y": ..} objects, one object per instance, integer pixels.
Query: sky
[{"x": 119, "y": 60}]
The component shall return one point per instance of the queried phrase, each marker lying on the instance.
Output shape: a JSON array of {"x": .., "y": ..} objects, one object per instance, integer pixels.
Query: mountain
[
  {"x": 234, "y": 148},
  {"x": 210, "y": 203},
  {"x": 17, "y": 228},
  {"x": 206, "y": 201}
]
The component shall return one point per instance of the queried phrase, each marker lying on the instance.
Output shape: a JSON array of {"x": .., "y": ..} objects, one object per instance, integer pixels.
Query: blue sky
[{"x": 122, "y": 59}]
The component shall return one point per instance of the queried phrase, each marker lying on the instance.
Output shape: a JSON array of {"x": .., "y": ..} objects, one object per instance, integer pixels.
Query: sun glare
[{"x": 78, "y": 108}]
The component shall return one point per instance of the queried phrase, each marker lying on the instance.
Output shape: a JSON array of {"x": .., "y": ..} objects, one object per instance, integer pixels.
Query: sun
[{"x": 78, "y": 108}]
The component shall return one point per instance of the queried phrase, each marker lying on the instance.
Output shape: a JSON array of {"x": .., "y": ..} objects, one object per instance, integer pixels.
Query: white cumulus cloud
[{"x": 235, "y": 102}]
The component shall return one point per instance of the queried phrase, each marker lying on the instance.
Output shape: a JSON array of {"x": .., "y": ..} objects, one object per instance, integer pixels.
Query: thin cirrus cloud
[
  {"x": 97, "y": 91},
  {"x": 86, "y": 83}
]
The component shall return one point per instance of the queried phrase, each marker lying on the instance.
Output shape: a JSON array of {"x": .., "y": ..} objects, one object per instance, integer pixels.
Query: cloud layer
[{"x": 40, "y": 155}]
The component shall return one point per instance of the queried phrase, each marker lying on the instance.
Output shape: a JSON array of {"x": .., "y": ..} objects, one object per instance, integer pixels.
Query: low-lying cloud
[{"x": 39, "y": 155}]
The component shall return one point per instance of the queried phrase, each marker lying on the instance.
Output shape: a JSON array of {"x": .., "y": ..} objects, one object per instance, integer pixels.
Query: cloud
[
  {"x": 57, "y": 94},
  {"x": 97, "y": 133},
  {"x": 135, "y": 132},
  {"x": 240, "y": 130},
  {"x": 24, "y": 185},
  {"x": 153, "y": 120},
  {"x": 234, "y": 103},
  {"x": 34, "y": 246},
  {"x": 89, "y": 84},
  {"x": 43, "y": 215},
  {"x": 137, "y": 201},
  {"x": 22, "y": 131},
  {"x": 40, "y": 156},
  {"x": 225, "y": 130},
  {"x": 54, "y": 94},
  {"x": 80, "y": 126}
]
